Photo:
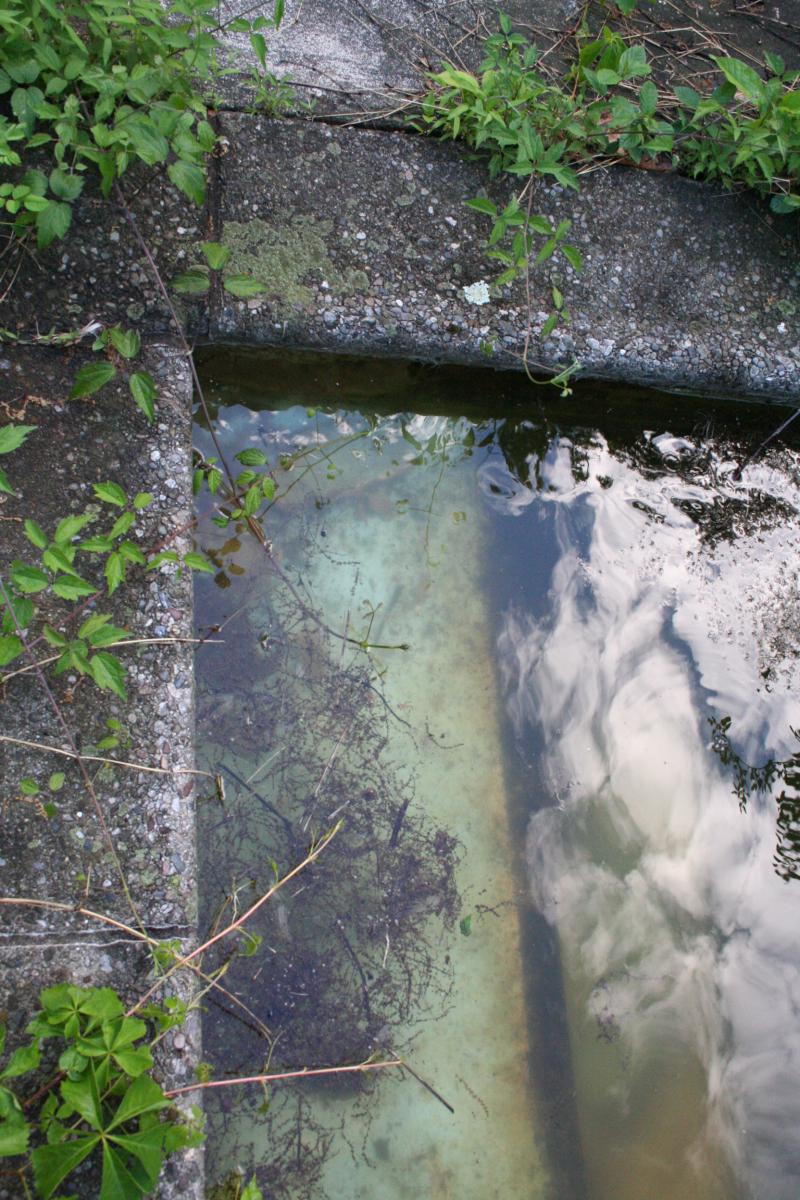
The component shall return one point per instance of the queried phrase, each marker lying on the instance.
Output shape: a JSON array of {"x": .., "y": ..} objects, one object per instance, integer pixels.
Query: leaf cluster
[{"x": 107, "y": 1103}]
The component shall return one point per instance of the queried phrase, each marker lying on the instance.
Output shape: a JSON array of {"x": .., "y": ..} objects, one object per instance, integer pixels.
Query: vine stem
[
  {"x": 303, "y": 1073},
  {"x": 76, "y": 755}
]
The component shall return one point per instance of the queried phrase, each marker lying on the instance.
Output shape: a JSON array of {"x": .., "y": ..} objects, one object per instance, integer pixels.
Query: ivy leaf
[
  {"x": 108, "y": 673},
  {"x": 112, "y": 493},
  {"x": 188, "y": 178},
  {"x": 12, "y": 437},
  {"x": 82, "y": 1095},
  {"x": 91, "y": 378},
  {"x": 144, "y": 392},
  {"x": 52, "y": 1164},
  {"x": 14, "y": 1129},
  {"x": 143, "y": 1096},
  {"x": 148, "y": 1146}
]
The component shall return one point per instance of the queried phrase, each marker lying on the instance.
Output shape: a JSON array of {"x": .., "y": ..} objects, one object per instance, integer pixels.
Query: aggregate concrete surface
[{"x": 358, "y": 229}]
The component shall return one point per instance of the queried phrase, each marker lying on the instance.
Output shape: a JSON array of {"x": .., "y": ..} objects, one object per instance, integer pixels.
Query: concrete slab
[
  {"x": 150, "y": 817},
  {"x": 365, "y": 244}
]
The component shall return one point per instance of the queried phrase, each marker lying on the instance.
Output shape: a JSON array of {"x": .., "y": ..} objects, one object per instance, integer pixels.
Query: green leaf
[
  {"x": 72, "y": 587},
  {"x": 199, "y": 563},
  {"x": 117, "y": 1182},
  {"x": 147, "y": 1146},
  {"x": 24, "y": 1058},
  {"x": 34, "y": 533},
  {"x": 28, "y": 579},
  {"x": 108, "y": 673},
  {"x": 65, "y": 185},
  {"x": 52, "y": 1164},
  {"x": 114, "y": 571},
  {"x": 743, "y": 78},
  {"x": 243, "y": 286},
  {"x": 572, "y": 256},
  {"x": 465, "y": 925},
  {"x": 122, "y": 524},
  {"x": 83, "y": 1095},
  {"x": 216, "y": 255},
  {"x": 5, "y": 485},
  {"x": 28, "y": 787},
  {"x": 12, "y": 437},
  {"x": 57, "y": 559},
  {"x": 125, "y": 341},
  {"x": 91, "y": 378},
  {"x": 190, "y": 179},
  {"x": 56, "y": 781},
  {"x": 144, "y": 392},
  {"x": 150, "y": 145},
  {"x": 268, "y": 487},
  {"x": 482, "y": 206},
  {"x": 53, "y": 637},
  {"x": 69, "y": 527},
  {"x": 14, "y": 1129},
  {"x": 648, "y": 98},
  {"x": 52, "y": 222},
  {"x": 97, "y": 545},
  {"x": 131, "y": 552},
  {"x": 142, "y": 500},
  {"x": 191, "y": 283},
  {"x": 251, "y": 457},
  {"x": 10, "y": 648},
  {"x": 112, "y": 493},
  {"x": 143, "y": 1096}
]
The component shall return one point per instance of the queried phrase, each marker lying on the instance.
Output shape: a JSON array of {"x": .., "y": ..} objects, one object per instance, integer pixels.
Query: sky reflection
[{"x": 680, "y": 945}]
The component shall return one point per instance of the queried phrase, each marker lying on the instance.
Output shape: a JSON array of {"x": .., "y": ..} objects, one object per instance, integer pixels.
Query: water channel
[{"x": 494, "y": 634}]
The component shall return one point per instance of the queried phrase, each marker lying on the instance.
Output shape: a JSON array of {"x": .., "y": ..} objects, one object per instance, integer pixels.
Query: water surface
[{"x": 544, "y": 895}]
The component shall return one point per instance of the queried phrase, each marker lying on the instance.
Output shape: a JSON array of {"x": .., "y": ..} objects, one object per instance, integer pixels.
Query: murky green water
[{"x": 544, "y": 895}]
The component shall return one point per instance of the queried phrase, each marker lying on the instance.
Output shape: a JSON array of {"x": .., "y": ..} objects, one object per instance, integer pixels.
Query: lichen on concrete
[{"x": 287, "y": 256}]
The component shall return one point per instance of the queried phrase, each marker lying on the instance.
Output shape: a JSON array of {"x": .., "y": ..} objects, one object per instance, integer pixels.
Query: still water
[{"x": 490, "y": 635}]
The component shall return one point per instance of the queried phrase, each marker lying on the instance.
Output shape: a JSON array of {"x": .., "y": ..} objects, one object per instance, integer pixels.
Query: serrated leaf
[
  {"x": 69, "y": 527},
  {"x": 57, "y": 559},
  {"x": 114, "y": 571},
  {"x": 125, "y": 341},
  {"x": 142, "y": 500},
  {"x": 143, "y": 1096},
  {"x": 191, "y": 283},
  {"x": 91, "y": 378},
  {"x": 132, "y": 553},
  {"x": 112, "y": 493},
  {"x": 10, "y": 648},
  {"x": 216, "y": 255},
  {"x": 108, "y": 673},
  {"x": 65, "y": 185},
  {"x": 53, "y": 637},
  {"x": 72, "y": 587},
  {"x": 14, "y": 1129},
  {"x": 251, "y": 458},
  {"x": 5, "y": 485},
  {"x": 199, "y": 563},
  {"x": 12, "y": 437},
  {"x": 243, "y": 286},
  {"x": 482, "y": 206},
  {"x": 52, "y": 222},
  {"x": 96, "y": 545},
  {"x": 52, "y": 1164},
  {"x": 122, "y": 524},
  {"x": 28, "y": 579},
  {"x": 161, "y": 557},
  {"x": 144, "y": 392},
  {"x": 24, "y": 1058},
  {"x": 56, "y": 781},
  {"x": 83, "y": 1096},
  {"x": 189, "y": 178}
]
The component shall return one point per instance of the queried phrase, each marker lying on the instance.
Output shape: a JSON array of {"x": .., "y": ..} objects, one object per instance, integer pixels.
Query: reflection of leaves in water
[{"x": 749, "y": 780}]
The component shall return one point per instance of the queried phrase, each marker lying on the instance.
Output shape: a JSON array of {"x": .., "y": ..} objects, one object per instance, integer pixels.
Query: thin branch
[
  {"x": 117, "y": 762},
  {"x": 304, "y": 1073}
]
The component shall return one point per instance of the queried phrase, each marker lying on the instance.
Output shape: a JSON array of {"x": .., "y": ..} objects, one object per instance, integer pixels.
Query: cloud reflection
[{"x": 681, "y": 947}]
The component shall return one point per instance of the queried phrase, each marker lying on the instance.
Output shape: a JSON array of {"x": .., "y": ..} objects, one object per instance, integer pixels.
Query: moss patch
[{"x": 288, "y": 258}]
